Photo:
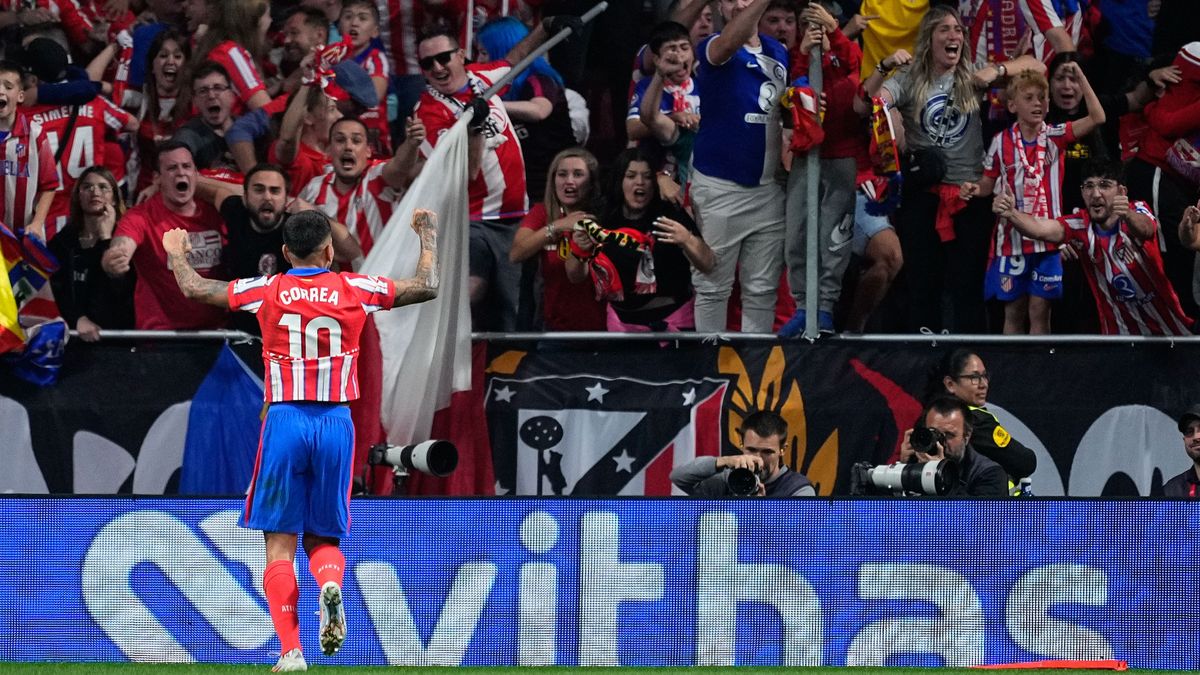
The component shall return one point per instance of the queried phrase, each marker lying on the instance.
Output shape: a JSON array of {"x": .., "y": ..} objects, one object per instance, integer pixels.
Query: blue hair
[{"x": 501, "y": 35}]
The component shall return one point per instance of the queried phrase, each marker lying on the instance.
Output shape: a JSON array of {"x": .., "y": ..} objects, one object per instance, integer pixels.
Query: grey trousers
[{"x": 835, "y": 231}]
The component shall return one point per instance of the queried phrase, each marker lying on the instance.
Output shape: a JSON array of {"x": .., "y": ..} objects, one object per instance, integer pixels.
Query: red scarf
[{"x": 1032, "y": 199}]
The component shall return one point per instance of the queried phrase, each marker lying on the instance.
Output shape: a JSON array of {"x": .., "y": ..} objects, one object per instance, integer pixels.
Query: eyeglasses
[
  {"x": 212, "y": 89},
  {"x": 975, "y": 378},
  {"x": 102, "y": 188},
  {"x": 441, "y": 57},
  {"x": 1102, "y": 185}
]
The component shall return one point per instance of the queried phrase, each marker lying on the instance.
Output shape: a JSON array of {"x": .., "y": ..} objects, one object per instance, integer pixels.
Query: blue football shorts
[
  {"x": 301, "y": 480},
  {"x": 1010, "y": 277}
]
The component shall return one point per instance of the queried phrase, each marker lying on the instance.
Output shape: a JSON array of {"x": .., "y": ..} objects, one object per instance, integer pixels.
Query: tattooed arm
[
  {"x": 194, "y": 286},
  {"x": 423, "y": 285}
]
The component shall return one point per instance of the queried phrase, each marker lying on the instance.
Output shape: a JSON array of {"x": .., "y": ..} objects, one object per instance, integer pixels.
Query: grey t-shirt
[{"x": 937, "y": 122}]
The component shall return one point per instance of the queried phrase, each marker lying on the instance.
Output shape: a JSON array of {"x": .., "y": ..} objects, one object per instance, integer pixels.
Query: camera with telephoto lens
[
  {"x": 927, "y": 440},
  {"x": 921, "y": 478},
  {"x": 436, "y": 458},
  {"x": 742, "y": 482}
]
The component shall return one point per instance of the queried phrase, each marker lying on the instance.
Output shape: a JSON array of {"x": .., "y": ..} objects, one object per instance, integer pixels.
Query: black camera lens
[
  {"x": 742, "y": 482},
  {"x": 925, "y": 439}
]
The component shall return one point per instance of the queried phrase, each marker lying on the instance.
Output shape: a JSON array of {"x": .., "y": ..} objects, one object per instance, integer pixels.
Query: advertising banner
[{"x": 667, "y": 582}]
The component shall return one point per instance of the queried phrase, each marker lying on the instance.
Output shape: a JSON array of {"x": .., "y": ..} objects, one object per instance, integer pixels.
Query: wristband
[
  {"x": 880, "y": 69},
  {"x": 1002, "y": 70}
]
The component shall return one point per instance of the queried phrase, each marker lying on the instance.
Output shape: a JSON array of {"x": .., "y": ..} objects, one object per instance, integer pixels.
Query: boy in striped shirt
[
  {"x": 27, "y": 165},
  {"x": 1117, "y": 245},
  {"x": 311, "y": 319},
  {"x": 1026, "y": 160}
]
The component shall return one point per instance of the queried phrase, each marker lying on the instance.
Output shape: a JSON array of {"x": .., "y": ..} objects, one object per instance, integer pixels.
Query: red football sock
[
  {"x": 279, "y": 584},
  {"x": 326, "y": 563}
]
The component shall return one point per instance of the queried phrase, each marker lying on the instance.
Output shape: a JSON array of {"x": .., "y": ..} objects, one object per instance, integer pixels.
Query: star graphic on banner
[
  {"x": 500, "y": 489},
  {"x": 505, "y": 394},
  {"x": 596, "y": 392},
  {"x": 624, "y": 462},
  {"x": 689, "y": 396}
]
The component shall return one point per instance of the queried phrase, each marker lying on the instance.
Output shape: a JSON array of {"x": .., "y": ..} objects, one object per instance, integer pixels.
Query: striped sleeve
[
  {"x": 1040, "y": 13},
  {"x": 243, "y": 74},
  {"x": 115, "y": 118},
  {"x": 992, "y": 161},
  {"x": 247, "y": 294},
  {"x": 376, "y": 64},
  {"x": 47, "y": 178},
  {"x": 1075, "y": 226},
  {"x": 374, "y": 293}
]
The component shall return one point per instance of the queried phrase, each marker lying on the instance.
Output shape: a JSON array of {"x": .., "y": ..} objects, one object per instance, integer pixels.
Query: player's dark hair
[
  {"x": 1099, "y": 167},
  {"x": 267, "y": 166},
  {"x": 305, "y": 232},
  {"x": 765, "y": 423},
  {"x": 667, "y": 31},
  {"x": 947, "y": 405}
]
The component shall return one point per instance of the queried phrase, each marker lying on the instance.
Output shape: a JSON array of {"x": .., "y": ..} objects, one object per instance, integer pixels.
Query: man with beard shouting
[{"x": 254, "y": 214}]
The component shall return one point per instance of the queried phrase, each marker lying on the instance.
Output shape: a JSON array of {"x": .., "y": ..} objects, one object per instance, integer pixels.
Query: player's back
[{"x": 311, "y": 320}]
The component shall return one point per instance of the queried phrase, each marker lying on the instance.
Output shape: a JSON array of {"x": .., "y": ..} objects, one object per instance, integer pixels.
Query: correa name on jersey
[{"x": 315, "y": 294}]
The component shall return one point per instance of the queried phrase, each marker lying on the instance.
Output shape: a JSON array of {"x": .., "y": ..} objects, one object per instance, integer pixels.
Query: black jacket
[
  {"x": 995, "y": 443},
  {"x": 979, "y": 477}
]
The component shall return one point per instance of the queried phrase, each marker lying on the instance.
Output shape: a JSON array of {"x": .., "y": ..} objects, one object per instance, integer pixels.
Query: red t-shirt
[
  {"x": 308, "y": 164},
  {"x": 565, "y": 306},
  {"x": 158, "y": 302}
]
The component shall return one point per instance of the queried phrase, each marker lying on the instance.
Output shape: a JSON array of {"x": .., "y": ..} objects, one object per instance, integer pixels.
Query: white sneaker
[
  {"x": 291, "y": 662},
  {"x": 333, "y": 619}
]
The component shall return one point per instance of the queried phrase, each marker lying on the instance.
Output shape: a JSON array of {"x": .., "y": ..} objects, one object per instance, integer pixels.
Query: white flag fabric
[{"x": 426, "y": 347}]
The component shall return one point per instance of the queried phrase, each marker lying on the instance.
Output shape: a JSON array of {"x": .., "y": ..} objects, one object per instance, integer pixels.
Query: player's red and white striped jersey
[
  {"x": 365, "y": 210},
  {"x": 311, "y": 320},
  {"x": 1133, "y": 295},
  {"x": 27, "y": 165},
  {"x": 498, "y": 191},
  {"x": 1004, "y": 164},
  {"x": 243, "y": 73},
  {"x": 86, "y": 146}
]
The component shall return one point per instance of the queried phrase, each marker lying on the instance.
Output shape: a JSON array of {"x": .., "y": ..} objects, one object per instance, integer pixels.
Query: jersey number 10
[{"x": 304, "y": 340}]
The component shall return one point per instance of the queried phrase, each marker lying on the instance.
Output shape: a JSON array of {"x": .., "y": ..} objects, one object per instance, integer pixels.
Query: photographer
[
  {"x": 948, "y": 417},
  {"x": 758, "y": 471}
]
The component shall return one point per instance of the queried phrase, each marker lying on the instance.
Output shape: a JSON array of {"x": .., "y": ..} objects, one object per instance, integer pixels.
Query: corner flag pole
[{"x": 542, "y": 49}]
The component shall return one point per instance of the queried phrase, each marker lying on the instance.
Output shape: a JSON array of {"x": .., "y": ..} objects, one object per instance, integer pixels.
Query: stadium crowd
[{"x": 981, "y": 163}]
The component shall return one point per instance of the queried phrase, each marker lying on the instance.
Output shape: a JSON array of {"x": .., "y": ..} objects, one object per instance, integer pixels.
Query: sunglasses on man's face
[{"x": 441, "y": 57}]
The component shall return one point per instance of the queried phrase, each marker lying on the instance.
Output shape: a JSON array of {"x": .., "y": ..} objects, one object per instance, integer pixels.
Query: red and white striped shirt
[
  {"x": 243, "y": 73},
  {"x": 498, "y": 191},
  {"x": 375, "y": 62},
  {"x": 1017, "y": 167},
  {"x": 994, "y": 38},
  {"x": 86, "y": 146},
  {"x": 28, "y": 170},
  {"x": 1133, "y": 295},
  {"x": 365, "y": 210},
  {"x": 311, "y": 320},
  {"x": 402, "y": 20}
]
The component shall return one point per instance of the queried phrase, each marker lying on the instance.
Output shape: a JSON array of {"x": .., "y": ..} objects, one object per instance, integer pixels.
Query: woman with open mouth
[
  {"x": 640, "y": 253},
  {"x": 165, "y": 61},
  {"x": 937, "y": 110}
]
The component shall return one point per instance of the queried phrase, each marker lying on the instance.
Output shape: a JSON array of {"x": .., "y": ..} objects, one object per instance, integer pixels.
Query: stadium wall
[{"x": 630, "y": 582}]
